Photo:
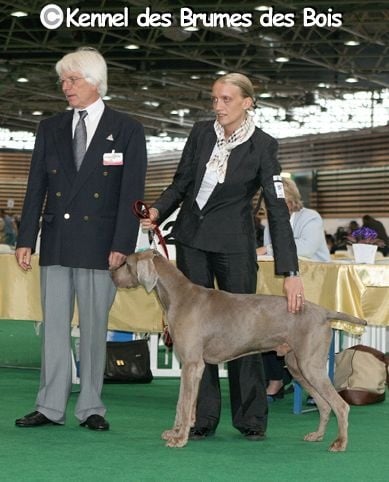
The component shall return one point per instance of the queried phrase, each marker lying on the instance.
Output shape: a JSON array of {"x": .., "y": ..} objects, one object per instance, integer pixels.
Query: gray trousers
[{"x": 95, "y": 292}]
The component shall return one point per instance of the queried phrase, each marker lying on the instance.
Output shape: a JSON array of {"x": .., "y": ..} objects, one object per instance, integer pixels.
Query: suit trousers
[
  {"x": 273, "y": 365},
  {"x": 236, "y": 273},
  {"x": 94, "y": 292}
]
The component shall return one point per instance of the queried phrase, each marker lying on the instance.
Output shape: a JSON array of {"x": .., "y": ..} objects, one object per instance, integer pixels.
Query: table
[
  {"x": 133, "y": 310},
  {"x": 361, "y": 290}
]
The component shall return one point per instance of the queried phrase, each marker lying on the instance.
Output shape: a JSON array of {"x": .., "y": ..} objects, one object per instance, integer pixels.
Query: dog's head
[{"x": 138, "y": 270}]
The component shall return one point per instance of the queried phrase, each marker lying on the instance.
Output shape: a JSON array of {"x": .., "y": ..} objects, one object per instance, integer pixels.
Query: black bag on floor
[{"x": 128, "y": 362}]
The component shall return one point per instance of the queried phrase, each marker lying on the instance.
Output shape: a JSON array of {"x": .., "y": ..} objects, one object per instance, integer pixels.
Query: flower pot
[{"x": 364, "y": 253}]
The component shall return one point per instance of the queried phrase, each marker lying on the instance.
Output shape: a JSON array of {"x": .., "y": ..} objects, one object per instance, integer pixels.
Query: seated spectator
[
  {"x": 2, "y": 231},
  {"x": 309, "y": 236},
  {"x": 10, "y": 229},
  {"x": 330, "y": 243},
  {"x": 307, "y": 226},
  {"x": 353, "y": 226},
  {"x": 259, "y": 230},
  {"x": 379, "y": 228},
  {"x": 341, "y": 238}
]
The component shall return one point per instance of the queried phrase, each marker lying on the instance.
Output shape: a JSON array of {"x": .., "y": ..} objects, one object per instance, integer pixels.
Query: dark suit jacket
[
  {"x": 88, "y": 213},
  {"x": 225, "y": 224}
]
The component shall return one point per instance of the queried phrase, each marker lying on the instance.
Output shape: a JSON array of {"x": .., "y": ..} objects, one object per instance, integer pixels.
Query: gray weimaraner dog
[{"x": 209, "y": 325}]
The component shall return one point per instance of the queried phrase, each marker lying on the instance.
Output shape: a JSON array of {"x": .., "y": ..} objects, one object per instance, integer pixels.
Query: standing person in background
[
  {"x": 90, "y": 164},
  {"x": 309, "y": 236},
  {"x": 223, "y": 165}
]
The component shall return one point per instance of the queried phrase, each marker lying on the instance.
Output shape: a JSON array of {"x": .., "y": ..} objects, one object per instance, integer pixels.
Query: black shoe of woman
[{"x": 276, "y": 396}]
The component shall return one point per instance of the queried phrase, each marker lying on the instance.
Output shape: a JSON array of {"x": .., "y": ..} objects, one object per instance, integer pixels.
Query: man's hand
[
  {"x": 116, "y": 259},
  {"x": 294, "y": 291},
  {"x": 23, "y": 258}
]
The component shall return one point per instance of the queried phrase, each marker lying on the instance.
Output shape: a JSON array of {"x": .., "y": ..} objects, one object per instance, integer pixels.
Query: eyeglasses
[{"x": 69, "y": 80}]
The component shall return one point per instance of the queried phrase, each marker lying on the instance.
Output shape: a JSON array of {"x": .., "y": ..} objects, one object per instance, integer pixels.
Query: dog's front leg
[
  {"x": 191, "y": 374},
  {"x": 171, "y": 433}
]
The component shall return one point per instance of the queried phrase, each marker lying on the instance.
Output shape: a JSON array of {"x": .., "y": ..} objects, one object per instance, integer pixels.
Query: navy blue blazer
[
  {"x": 226, "y": 224},
  {"x": 86, "y": 214}
]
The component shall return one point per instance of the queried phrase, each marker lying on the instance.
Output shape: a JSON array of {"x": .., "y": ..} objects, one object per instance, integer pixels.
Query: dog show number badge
[
  {"x": 113, "y": 158},
  {"x": 279, "y": 187}
]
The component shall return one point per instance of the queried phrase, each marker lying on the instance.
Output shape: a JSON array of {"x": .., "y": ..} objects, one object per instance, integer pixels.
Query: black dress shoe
[
  {"x": 254, "y": 435},
  {"x": 34, "y": 419},
  {"x": 275, "y": 396},
  {"x": 95, "y": 422},
  {"x": 200, "y": 433}
]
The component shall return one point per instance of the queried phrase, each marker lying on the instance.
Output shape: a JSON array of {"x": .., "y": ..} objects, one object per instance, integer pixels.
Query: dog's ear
[{"x": 147, "y": 274}]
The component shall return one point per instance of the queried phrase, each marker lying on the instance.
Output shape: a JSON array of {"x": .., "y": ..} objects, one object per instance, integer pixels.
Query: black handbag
[{"x": 128, "y": 362}]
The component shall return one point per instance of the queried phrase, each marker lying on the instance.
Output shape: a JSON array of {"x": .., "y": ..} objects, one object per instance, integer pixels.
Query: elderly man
[{"x": 89, "y": 164}]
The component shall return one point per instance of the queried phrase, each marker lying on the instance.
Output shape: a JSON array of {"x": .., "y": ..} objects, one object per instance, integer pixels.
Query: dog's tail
[{"x": 338, "y": 315}]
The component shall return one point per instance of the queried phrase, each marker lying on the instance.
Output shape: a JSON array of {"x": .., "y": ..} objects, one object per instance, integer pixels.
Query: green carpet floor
[{"x": 133, "y": 450}]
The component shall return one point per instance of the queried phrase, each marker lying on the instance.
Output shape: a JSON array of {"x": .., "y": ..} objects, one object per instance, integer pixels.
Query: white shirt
[
  {"x": 95, "y": 111},
  {"x": 207, "y": 184}
]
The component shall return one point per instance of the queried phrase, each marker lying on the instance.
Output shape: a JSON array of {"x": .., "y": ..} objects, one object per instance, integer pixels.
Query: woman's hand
[
  {"x": 294, "y": 291},
  {"x": 150, "y": 222}
]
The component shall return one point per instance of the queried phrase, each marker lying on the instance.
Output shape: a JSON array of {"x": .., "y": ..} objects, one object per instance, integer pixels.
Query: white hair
[{"x": 90, "y": 63}]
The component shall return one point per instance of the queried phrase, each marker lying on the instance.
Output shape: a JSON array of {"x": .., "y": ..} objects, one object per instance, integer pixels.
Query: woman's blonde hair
[
  {"x": 90, "y": 63},
  {"x": 240, "y": 81},
  {"x": 292, "y": 194}
]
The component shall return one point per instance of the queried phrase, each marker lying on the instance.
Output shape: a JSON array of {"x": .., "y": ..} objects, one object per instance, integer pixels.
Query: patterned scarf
[{"x": 219, "y": 160}]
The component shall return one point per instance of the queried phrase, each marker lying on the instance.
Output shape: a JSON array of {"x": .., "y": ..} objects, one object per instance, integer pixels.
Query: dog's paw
[
  {"x": 168, "y": 434},
  {"x": 314, "y": 437},
  {"x": 338, "y": 445},
  {"x": 177, "y": 442}
]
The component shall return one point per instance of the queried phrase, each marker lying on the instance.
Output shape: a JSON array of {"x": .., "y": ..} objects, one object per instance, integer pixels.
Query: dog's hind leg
[
  {"x": 322, "y": 405},
  {"x": 341, "y": 410},
  {"x": 317, "y": 382},
  {"x": 191, "y": 374},
  {"x": 325, "y": 388}
]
